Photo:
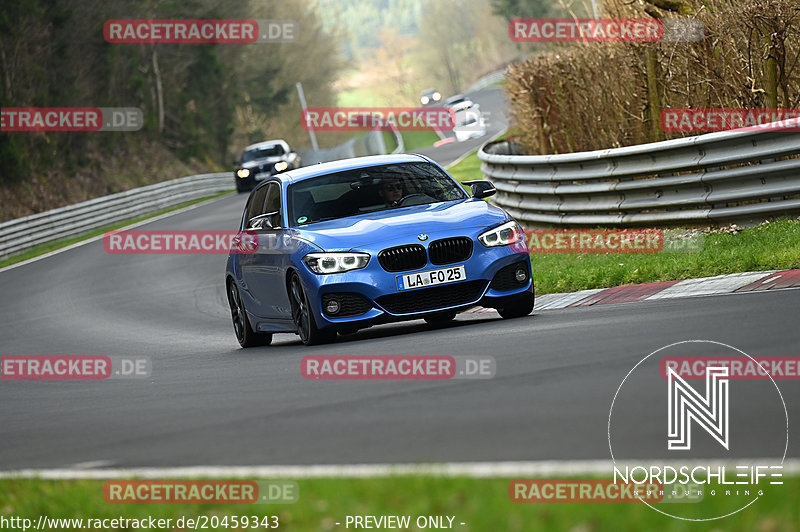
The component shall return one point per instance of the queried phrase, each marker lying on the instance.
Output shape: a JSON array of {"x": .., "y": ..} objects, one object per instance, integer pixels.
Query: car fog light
[
  {"x": 521, "y": 275},
  {"x": 332, "y": 306}
]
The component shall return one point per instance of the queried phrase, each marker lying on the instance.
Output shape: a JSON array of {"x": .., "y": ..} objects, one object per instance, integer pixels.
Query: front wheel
[
  {"x": 245, "y": 334},
  {"x": 517, "y": 306},
  {"x": 303, "y": 317}
]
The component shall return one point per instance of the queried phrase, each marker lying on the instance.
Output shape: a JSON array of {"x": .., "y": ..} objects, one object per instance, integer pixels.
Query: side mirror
[
  {"x": 481, "y": 189},
  {"x": 261, "y": 222}
]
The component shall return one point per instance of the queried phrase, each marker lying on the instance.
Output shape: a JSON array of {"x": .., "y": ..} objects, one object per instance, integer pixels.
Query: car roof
[
  {"x": 315, "y": 170},
  {"x": 266, "y": 143}
]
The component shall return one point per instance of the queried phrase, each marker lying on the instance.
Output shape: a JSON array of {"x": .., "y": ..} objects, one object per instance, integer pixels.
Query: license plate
[{"x": 431, "y": 278}]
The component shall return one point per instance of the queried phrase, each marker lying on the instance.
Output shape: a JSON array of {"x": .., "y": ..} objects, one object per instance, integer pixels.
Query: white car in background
[
  {"x": 470, "y": 123},
  {"x": 459, "y": 102}
]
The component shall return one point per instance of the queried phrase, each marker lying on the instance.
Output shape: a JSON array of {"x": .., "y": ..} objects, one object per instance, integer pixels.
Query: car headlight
[
  {"x": 243, "y": 173},
  {"x": 436, "y": 96},
  {"x": 502, "y": 235},
  {"x": 325, "y": 263},
  {"x": 425, "y": 100},
  {"x": 280, "y": 166}
]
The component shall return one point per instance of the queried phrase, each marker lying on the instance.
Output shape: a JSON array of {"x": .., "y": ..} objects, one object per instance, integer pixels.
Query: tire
[
  {"x": 245, "y": 334},
  {"x": 440, "y": 318},
  {"x": 517, "y": 306},
  {"x": 303, "y": 318}
]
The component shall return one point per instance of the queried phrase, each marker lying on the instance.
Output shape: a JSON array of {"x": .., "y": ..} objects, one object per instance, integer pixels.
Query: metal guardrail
[
  {"x": 487, "y": 81},
  {"x": 371, "y": 143},
  {"x": 732, "y": 175},
  {"x": 24, "y": 233}
]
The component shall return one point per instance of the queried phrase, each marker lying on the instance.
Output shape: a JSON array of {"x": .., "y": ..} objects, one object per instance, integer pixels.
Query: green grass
[
  {"x": 483, "y": 504},
  {"x": 357, "y": 98},
  {"x": 41, "y": 249},
  {"x": 468, "y": 168},
  {"x": 772, "y": 246},
  {"x": 417, "y": 140}
]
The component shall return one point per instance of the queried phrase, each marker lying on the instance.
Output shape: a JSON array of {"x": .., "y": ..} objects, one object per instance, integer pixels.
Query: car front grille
[
  {"x": 450, "y": 250},
  {"x": 434, "y": 298},
  {"x": 350, "y": 304},
  {"x": 505, "y": 279},
  {"x": 403, "y": 258}
]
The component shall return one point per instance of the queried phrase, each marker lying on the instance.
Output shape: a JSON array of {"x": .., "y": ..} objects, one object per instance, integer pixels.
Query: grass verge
[
  {"x": 482, "y": 504},
  {"x": 467, "y": 168},
  {"x": 417, "y": 140},
  {"x": 41, "y": 249},
  {"x": 770, "y": 246}
]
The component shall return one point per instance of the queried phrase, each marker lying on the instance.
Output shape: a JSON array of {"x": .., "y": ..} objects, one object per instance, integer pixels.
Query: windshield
[
  {"x": 371, "y": 189},
  {"x": 262, "y": 152},
  {"x": 466, "y": 117}
]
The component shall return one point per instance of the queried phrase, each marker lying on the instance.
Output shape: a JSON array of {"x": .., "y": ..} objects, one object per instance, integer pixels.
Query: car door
[{"x": 263, "y": 272}]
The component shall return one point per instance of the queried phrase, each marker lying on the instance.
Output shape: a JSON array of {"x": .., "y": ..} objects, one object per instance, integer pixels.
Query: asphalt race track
[
  {"x": 210, "y": 403},
  {"x": 492, "y": 102}
]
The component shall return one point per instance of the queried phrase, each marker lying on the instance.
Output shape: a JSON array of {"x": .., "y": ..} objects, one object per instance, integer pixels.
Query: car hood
[
  {"x": 399, "y": 224},
  {"x": 262, "y": 161}
]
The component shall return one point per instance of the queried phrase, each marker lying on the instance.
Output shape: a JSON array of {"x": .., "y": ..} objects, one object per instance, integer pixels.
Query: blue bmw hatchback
[{"x": 353, "y": 243}]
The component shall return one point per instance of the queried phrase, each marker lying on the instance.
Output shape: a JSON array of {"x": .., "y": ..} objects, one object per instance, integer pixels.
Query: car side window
[
  {"x": 256, "y": 205},
  {"x": 273, "y": 204}
]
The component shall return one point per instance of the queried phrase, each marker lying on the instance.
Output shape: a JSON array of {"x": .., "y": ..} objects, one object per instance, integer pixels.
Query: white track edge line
[{"x": 791, "y": 466}]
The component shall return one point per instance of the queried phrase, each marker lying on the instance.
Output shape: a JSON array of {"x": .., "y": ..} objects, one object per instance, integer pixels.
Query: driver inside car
[{"x": 391, "y": 191}]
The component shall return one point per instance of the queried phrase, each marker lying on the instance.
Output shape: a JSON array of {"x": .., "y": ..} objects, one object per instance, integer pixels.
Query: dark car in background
[
  {"x": 430, "y": 96},
  {"x": 262, "y": 160}
]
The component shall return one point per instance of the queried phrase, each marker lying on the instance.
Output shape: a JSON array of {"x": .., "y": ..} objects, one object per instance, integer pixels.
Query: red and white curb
[{"x": 704, "y": 286}]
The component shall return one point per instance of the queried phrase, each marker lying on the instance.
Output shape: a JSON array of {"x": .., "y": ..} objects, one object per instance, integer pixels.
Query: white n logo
[{"x": 686, "y": 404}]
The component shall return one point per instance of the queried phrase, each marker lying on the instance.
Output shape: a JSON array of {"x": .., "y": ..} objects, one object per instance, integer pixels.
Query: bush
[{"x": 600, "y": 95}]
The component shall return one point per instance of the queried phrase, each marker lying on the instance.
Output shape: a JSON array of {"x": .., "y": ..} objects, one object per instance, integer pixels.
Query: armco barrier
[
  {"x": 371, "y": 143},
  {"x": 24, "y": 233},
  {"x": 719, "y": 177}
]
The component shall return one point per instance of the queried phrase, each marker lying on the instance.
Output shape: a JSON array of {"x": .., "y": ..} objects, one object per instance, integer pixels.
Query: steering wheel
[{"x": 402, "y": 200}]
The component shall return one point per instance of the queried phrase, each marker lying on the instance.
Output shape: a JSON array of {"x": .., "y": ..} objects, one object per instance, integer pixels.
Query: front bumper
[{"x": 372, "y": 294}]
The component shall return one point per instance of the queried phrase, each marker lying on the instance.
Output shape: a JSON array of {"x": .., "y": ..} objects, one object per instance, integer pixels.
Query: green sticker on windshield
[{"x": 302, "y": 219}]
